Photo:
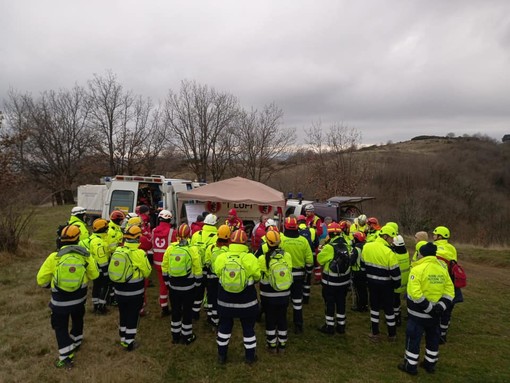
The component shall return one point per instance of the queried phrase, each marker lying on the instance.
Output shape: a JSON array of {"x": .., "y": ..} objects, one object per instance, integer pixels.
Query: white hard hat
[
  {"x": 309, "y": 207},
  {"x": 270, "y": 222},
  {"x": 78, "y": 210},
  {"x": 210, "y": 219},
  {"x": 399, "y": 241},
  {"x": 165, "y": 214},
  {"x": 362, "y": 219},
  {"x": 131, "y": 215}
]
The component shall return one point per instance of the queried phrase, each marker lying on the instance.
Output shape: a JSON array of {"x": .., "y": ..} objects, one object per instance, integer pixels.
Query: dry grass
[{"x": 477, "y": 350}]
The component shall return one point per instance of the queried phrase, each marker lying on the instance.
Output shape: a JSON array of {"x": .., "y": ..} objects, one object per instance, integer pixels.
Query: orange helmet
[
  {"x": 239, "y": 236},
  {"x": 99, "y": 225},
  {"x": 70, "y": 233},
  {"x": 291, "y": 223},
  {"x": 334, "y": 227},
  {"x": 273, "y": 238},
  {"x": 224, "y": 232},
  {"x": 184, "y": 231},
  {"x": 133, "y": 232}
]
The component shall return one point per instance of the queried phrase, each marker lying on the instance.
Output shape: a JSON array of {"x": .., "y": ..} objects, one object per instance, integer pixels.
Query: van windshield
[{"x": 122, "y": 200}]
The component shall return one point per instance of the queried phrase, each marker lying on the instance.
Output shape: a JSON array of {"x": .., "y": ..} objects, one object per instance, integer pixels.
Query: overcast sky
[{"x": 390, "y": 69}]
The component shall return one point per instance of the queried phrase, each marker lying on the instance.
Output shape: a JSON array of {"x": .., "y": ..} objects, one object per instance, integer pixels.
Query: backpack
[
  {"x": 179, "y": 262},
  {"x": 457, "y": 273},
  {"x": 341, "y": 260},
  {"x": 280, "y": 274},
  {"x": 233, "y": 276},
  {"x": 71, "y": 268},
  {"x": 120, "y": 269}
]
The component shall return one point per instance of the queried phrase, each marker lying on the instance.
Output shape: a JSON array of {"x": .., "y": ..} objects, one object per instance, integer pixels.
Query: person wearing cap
[
  {"x": 400, "y": 250},
  {"x": 66, "y": 304},
  {"x": 380, "y": 264},
  {"x": 211, "y": 253},
  {"x": 429, "y": 293},
  {"x": 182, "y": 271},
  {"x": 275, "y": 300},
  {"x": 202, "y": 239},
  {"x": 233, "y": 221},
  {"x": 198, "y": 224},
  {"x": 258, "y": 232},
  {"x": 446, "y": 252},
  {"x": 243, "y": 303},
  {"x": 334, "y": 284},
  {"x": 162, "y": 236},
  {"x": 313, "y": 220},
  {"x": 302, "y": 265},
  {"x": 130, "y": 294},
  {"x": 77, "y": 218}
]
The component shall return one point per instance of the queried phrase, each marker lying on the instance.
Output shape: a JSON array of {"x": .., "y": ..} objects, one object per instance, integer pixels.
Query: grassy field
[{"x": 477, "y": 349}]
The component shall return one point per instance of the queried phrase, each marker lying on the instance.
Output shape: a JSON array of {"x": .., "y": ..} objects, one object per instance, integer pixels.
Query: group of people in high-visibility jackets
[{"x": 215, "y": 267}]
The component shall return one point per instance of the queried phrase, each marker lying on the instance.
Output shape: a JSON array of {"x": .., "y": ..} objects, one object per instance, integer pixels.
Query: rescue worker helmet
[
  {"x": 309, "y": 207},
  {"x": 133, "y": 232},
  {"x": 70, "y": 234},
  {"x": 239, "y": 236},
  {"x": 291, "y": 223},
  {"x": 334, "y": 228},
  {"x": 210, "y": 219},
  {"x": 77, "y": 210},
  {"x": 99, "y": 225},
  {"x": 359, "y": 237},
  {"x": 443, "y": 231},
  {"x": 165, "y": 214},
  {"x": 117, "y": 216},
  {"x": 388, "y": 230},
  {"x": 224, "y": 232},
  {"x": 362, "y": 219},
  {"x": 273, "y": 238},
  {"x": 184, "y": 231}
]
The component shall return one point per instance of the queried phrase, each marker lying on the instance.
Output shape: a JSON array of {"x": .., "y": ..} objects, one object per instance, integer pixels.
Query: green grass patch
[{"x": 477, "y": 350}]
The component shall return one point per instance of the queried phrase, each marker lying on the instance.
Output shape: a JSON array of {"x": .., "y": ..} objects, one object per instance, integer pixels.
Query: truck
[
  {"x": 124, "y": 193},
  {"x": 339, "y": 208}
]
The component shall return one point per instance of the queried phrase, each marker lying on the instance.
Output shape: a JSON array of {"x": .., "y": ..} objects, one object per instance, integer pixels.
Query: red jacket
[
  {"x": 196, "y": 226},
  {"x": 314, "y": 221},
  {"x": 162, "y": 236},
  {"x": 258, "y": 233}
]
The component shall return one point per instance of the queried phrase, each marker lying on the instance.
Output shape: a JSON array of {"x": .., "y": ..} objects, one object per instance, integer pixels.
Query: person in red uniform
[
  {"x": 312, "y": 220},
  {"x": 233, "y": 221},
  {"x": 162, "y": 236}
]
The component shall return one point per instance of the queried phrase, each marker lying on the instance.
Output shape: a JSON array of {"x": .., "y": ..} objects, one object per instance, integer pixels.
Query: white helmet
[
  {"x": 309, "y": 207},
  {"x": 362, "y": 219},
  {"x": 210, "y": 219},
  {"x": 78, "y": 210},
  {"x": 399, "y": 241},
  {"x": 131, "y": 215},
  {"x": 270, "y": 222},
  {"x": 165, "y": 214}
]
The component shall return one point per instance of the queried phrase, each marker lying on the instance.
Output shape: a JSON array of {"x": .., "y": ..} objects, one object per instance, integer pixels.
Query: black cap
[{"x": 428, "y": 249}]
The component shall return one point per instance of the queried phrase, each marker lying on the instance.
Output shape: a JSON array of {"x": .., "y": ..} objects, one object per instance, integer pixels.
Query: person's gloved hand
[{"x": 437, "y": 310}]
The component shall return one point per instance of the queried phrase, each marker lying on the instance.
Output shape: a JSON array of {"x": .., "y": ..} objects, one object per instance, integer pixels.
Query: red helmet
[
  {"x": 345, "y": 225},
  {"x": 232, "y": 212},
  {"x": 359, "y": 237},
  {"x": 239, "y": 236},
  {"x": 334, "y": 227},
  {"x": 117, "y": 215},
  {"x": 373, "y": 221},
  {"x": 184, "y": 231},
  {"x": 301, "y": 217},
  {"x": 291, "y": 223}
]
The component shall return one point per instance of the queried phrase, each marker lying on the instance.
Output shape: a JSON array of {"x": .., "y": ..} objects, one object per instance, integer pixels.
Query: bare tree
[
  {"x": 197, "y": 117},
  {"x": 262, "y": 141},
  {"x": 337, "y": 168},
  {"x": 58, "y": 138},
  {"x": 109, "y": 116}
]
